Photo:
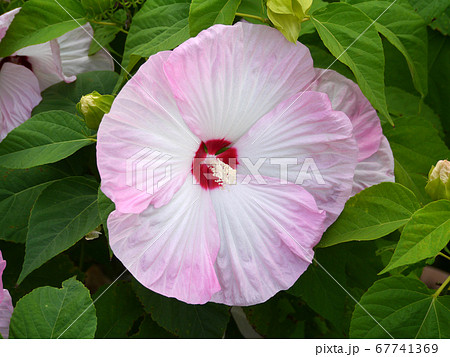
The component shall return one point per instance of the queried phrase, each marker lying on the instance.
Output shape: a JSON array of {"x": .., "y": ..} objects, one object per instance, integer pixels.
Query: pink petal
[
  {"x": 144, "y": 121},
  {"x": 2, "y": 268},
  {"x": 65, "y": 57},
  {"x": 299, "y": 129},
  {"x": 45, "y": 61},
  {"x": 228, "y": 77},
  {"x": 346, "y": 97},
  {"x": 6, "y": 307},
  {"x": 171, "y": 249},
  {"x": 19, "y": 94},
  {"x": 74, "y": 47},
  {"x": 6, "y": 310},
  {"x": 267, "y": 234},
  {"x": 5, "y": 21},
  {"x": 376, "y": 169}
]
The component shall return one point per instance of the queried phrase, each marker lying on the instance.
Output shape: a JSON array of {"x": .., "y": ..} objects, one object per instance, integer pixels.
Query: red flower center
[{"x": 203, "y": 167}]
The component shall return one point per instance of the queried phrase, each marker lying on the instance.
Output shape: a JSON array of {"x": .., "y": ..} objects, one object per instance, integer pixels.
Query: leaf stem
[
  {"x": 262, "y": 19},
  {"x": 443, "y": 255},
  {"x": 105, "y": 23},
  {"x": 442, "y": 287}
]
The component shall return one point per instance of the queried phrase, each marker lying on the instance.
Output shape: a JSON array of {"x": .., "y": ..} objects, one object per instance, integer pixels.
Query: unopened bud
[
  {"x": 438, "y": 186},
  {"x": 93, "y": 106},
  {"x": 288, "y": 15}
]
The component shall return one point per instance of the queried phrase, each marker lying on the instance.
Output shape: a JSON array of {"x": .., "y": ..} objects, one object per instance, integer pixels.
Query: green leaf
[
  {"x": 442, "y": 23},
  {"x": 407, "y": 32},
  {"x": 63, "y": 214},
  {"x": 184, "y": 320},
  {"x": 158, "y": 26},
  {"x": 351, "y": 266},
  {"x": 104, "y": 34},
  {"x": 439, "y": 77},
  {"x": 404, "y": 104},
  {"x": 404, "y": 307},
  {"x": 416, "y": 146},
  {"x": 204, "y": 14},
  {"x": 117, "y": 308},
  {"x": 350, "y": 36},
  {"x": 55, "y": 313},
  {"x": 424, "y": 236},
  {"x": 150, "y": 329},
  {"x": 19, "y": 190},
  {"x": 371, "y": 214},
  {"x": 105, "y": 207},
  {"x": 429, "y": 9},
  {"x": 40, "y": 21},
  {"x": 44, "y": 138},
  {"x": 65, "y": 96}
]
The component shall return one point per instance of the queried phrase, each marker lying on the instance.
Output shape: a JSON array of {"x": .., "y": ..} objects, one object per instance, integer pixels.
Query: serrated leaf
[
  {"x": 40, "y": 21},
  {"x": 371, "y": 214},
  {"x": 401, "y": 307},
  {"x": 204, "y": 14},
  {"x": 184, "y": 320},
  {"x": 407, "y": 32},
  {"x": 44, "y": 138},
  {"x": 350, "y": 36},
  {"x": 65, "y": 96},
  {"x": 159, "y": 25},
  {"x": 63, "y": 214},
  {"x": 117, "y": 308},
  {"x": 424, "y": 236},
  {"x": 55, "y": 313}
]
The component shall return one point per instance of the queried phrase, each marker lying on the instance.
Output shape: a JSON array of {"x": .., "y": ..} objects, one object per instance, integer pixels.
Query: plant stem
[
  {"x": 251, "y": 16},
  {"x": 105, "y": 23},
  {"x": 442, "y": 287},
  {"x": 443, "y": 255}
]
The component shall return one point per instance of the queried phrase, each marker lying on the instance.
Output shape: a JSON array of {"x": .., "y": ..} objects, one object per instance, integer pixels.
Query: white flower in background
[{"x": 29, "y": 71}]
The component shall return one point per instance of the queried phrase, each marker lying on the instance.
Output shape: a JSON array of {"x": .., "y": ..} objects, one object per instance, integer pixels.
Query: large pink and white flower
[
  {"x": 30, "y": 70},
  {"x": 6, "y": 307},
  {"x": 193, "y": 125}
]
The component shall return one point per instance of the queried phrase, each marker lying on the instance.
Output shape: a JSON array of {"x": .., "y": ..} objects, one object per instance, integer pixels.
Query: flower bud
[
  {"x": 287, "y": 16},
  {"x": 93, "y": 106},
  {"x": 438, "y": 186}
]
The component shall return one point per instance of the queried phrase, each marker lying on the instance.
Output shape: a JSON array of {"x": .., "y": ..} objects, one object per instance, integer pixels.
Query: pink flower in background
[
  {"x": 6, "y": 307},
  {"x": 27, "y": 72},
  {"x": 215, "y": 105}
]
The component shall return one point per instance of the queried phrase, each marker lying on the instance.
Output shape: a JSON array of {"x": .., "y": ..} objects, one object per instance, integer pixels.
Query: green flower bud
[
  {"x": 288, "y": 15},
  {"x": 438, "y": 186},
  {"x": 96, "y": 7},
  {"x": 93, "y": 106}
]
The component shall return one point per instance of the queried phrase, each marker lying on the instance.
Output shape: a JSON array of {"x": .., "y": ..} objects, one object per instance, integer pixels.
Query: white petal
[
  {"x": 376, "y": 169},
  {"x": 74, "y": 46},
  {"x": 171, "y": 249},
  {"x": 267, "y": 234},
  {"x": 346, "y": 97},
  {"x": 144, "y": 122},
  {"x": 228, "y": 77},
  {"x": 19, "y": 94},
  {"x": 46, "y": 63},
  {"x": 306, "y": 133},
  {"x": 6, "y": 310},
  {"x": 5, "y": 21}
]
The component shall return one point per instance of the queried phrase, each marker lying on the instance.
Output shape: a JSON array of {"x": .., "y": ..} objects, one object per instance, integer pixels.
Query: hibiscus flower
[
  {"x": 30, "y": 70},
  {"x": 6, "y": 308},
  {"x": 204, "y": 152}
]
